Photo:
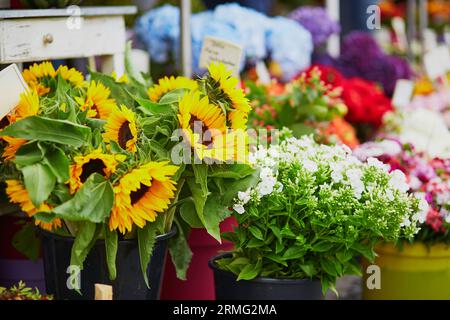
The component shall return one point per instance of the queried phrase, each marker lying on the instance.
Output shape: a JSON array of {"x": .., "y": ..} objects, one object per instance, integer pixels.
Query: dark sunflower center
[
  {"x": 4, "y": 122},
  {"x": 195, "y": 124},
  {"x": 137, "y": 195},
  {"x": 125, "y": 134},
  {"x": 93, "y": 166}
]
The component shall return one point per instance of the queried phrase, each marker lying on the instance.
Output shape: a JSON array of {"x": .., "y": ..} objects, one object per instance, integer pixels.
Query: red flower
[
  {"x": 329, "y": 75},
  {"x": 434, "y": 220},
  {"x": 365, "y": 101}
]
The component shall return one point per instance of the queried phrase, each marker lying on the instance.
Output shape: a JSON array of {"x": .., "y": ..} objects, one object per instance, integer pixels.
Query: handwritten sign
[
  {"x": 219, "y": 50},
  {"x": 12, "y": 85},
  {"x": 403, "y": 93},
  {"x": 437, "y": 62}
]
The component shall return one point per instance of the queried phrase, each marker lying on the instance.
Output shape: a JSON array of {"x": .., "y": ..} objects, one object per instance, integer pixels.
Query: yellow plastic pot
[{"x": 415, "y": 272}]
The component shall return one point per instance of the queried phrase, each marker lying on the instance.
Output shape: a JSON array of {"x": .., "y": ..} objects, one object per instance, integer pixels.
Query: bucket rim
[
  {"x": 159, "y": 238},
  {"x": 266, "y": 280}
]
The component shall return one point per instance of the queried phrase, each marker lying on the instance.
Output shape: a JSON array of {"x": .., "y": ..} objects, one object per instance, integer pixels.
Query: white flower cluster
[{"x": 346, "y": 171}]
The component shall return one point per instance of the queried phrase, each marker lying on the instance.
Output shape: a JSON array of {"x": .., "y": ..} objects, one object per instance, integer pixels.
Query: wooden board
[
  {"x": 28, "y": 39},
  {"x": 85, "y": 12}
]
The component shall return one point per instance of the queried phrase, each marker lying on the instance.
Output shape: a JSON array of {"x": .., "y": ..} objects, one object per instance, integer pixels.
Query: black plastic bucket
[
  {"x": 129, "y": 284},
  {"x": 228, "y": 288}
]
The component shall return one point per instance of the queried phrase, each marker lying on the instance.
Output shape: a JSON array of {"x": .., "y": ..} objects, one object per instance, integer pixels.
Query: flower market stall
[{"x": 225, "y": 150}]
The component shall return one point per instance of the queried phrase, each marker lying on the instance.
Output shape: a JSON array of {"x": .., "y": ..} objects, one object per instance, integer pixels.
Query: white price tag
[
  {"x": 218, "y": 50},
  {"x": 263, "y": 73},
  {"x": 12, "y": 85},
  {"x": 403, "y": 93},
  {"x": 437, "y": 62}
]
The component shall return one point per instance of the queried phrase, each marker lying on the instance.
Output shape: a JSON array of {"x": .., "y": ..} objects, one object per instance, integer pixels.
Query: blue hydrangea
[
  {"x": 158, "y": 30},
  {"x": 290, "y": 45}
]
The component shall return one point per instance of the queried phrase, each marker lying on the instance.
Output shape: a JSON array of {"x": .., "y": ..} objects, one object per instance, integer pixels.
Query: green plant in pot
[
  {"x": 96, "y": 167},
  {"x": 314, "y": 211}
]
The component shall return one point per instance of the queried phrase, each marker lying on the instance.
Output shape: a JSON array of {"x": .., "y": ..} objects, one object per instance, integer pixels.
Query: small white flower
[
  {"x": 414, "y": 183},
  {"x": 406, "y": 222},
  {"x": 273, "y": 152},
  {"x": 265, "y": 173},
  {"x": 390, "y": 195},
  {"x": 239, "y": 208},
  {"x": 374, "y": 162},
  {"x": 244, "y": 196},
  {"x": 309, "y": 165},
  {"x": 398, "y": 181}
]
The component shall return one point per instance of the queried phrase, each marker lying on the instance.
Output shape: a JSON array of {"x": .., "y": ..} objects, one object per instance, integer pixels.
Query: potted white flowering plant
[{"x": 314, "y": 211}]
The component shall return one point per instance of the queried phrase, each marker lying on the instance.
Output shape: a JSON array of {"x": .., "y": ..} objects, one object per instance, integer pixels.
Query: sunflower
[
  {"x": 19, "y": 195},
  {"x": 121, "y": 128},
  {"x": 168, "y": 84},
  {"x": 36, "y": 74},
  {"x": 141, "y": 194},
  {"x": 28, "y": 106},
  {"x": 197, "y": 113},
  {"x": 13, "y": 145},
  {"x": 97, "y": 101},
  {"x": 72, "y": 75},
  {"x": 224, "y": 88},
  {"x": 94, "y": 162}
]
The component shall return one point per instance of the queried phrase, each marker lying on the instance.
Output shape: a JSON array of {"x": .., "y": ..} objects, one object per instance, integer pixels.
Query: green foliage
[
  {"x": 146, "y": 240},
  {"x": 311, "y": 222}
]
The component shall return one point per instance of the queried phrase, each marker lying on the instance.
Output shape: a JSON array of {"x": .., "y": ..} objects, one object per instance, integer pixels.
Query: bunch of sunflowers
[{"x": 99, "y": 158}]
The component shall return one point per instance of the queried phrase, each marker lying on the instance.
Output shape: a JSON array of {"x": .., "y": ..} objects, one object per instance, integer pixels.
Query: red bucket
[{"x": 200, "y": 280}]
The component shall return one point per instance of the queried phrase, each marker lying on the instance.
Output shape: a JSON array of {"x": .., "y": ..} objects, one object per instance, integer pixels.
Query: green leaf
[
  {"x": 328, "y": 266},
  {"x": 255, "y": 243},
  {"x": 201, "y": 176},
  {"x": 61, "y": 191},
  {"x": 256, "y": 232},
  {"x": 232, "y": 171},
  {"x": 44, "y": 216},
  {"x": 308, "y": 269},
  {"x": 93, "y": 202},
  {"x": 28, "y": 154},
  {"x": 58, "y": 163},
  {"x": 277, "y": 232},
  {"x": 215, "y": 212},
  {"x": 153, "y": 108},
  {"x": 180, "y": 253},
  {"x": 39, "y": 182},
  {"x": 277, "y": 259},
  {"x": 322, "y": 246},
  {"x": 364, "y": 249},
  {"x": 249, "y": 272},
  {"x": 88, "y": 233},
  {"x": 146, "y": 241},
  {"x": 45, "y": 129},
  {"x": 27, "y": 242},
  {"x": 294, "y": 253},
  {"x": 111, "y": 243},
  {"x": 199, "y": 199},
  {"x": 172, "y": 96},
  {"x": 189, "y": 215},
  {"x": 232, "y": 187}
]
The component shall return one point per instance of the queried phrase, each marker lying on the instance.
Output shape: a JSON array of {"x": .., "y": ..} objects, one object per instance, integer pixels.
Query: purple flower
[
  {"x": 317, "y": 21},
  {"x": 361, "y": 56}
]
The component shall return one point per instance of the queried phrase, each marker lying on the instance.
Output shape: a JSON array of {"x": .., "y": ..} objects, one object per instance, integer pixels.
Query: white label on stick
[
  {"x": 437, "y": 62},
  {"x": 12, "y": 85},
  {"x": 219, "y": 50},
  {"x": 403, "y": 93}
]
